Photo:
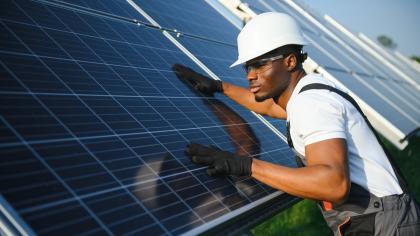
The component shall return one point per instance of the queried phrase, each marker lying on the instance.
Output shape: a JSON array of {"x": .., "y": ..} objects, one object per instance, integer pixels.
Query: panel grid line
[
  {"x": 111, "y": 121},
  {"x": 56, "y": 175},
  {"x": 94, "y": 156}
]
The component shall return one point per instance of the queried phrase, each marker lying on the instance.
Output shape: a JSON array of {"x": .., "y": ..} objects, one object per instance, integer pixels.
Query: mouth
[{"x": 254, "y": 89}]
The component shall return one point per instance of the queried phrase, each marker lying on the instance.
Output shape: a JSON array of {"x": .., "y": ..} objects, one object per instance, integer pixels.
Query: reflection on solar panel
[
  {"x": 218, "y": 49},
  {"x": 386, "y": 93},
  {"x": 93, "y": 122}
]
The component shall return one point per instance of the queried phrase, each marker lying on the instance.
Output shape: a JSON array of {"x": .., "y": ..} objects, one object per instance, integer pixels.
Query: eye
[{"x": 254, "y": 66}]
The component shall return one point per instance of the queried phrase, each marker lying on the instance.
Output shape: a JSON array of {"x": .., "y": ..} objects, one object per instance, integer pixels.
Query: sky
[{"x": 398, "y": 19}]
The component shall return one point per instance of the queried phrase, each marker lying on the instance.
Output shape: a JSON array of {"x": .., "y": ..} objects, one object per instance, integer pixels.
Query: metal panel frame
[
  {"x": 258, "y": 207},
  {"x": 12, "y": 224}
]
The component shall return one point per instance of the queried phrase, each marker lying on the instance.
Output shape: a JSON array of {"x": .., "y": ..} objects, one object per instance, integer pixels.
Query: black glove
[
  {"x": 198, "y": 81},
  {"x": 220, "y": 162}
]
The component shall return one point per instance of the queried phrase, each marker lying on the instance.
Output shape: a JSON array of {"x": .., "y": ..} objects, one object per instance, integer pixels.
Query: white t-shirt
[{"x": 320, "y": 114}]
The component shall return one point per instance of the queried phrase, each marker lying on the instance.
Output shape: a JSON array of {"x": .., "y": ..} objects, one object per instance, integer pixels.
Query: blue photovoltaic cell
[
  {"x": 323, "y": 49},
  {"x": 193, "y": 17},
  {"x": 216, "y": 56},
  {"x": 118, "y": 8},
  {"x": 94, "y": 124},
  {"x": 393, "y": 97}
]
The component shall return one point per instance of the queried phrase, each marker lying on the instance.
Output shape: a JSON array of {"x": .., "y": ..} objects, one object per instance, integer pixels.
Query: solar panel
[
  {"x": 116, "y": 8},
  {"x": 182, "y": 15},
  {"x": 217, "y": 51},
  {"x": 394, "y": 98},
  {"x": 212, "y": 39},
  {"x": 387, "y": 68},
  {"x": 93, "y": 124},
  {"x": 388, "y": 55}
]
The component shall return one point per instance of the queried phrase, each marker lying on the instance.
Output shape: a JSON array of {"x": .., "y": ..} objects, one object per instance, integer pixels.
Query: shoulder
[
  {"x": 313, "y": 96},
  {"x": 317, "y": 101},
  {"x": 318, "y": 114}
]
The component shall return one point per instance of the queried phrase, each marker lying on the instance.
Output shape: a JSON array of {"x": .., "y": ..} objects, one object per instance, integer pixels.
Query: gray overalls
[{"x": 364, "y": 213}]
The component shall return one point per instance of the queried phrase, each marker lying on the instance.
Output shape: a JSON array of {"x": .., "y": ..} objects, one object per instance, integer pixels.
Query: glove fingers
[
  {"x": 196, "y": 86},
  {"x": 205, "y": 160},
  {"x": 184, "y": 74},
  {"x": 203, "y": 88},
  {"x": 214, "y": 171},
  {"x": 178, "y": 68},
  {"x": 215, "y": 148},
  {"x": 197, "y": 81},
  {"x": 195, "y": 149}
]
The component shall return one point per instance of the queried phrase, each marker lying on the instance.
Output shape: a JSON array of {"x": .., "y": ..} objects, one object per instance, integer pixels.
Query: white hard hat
[{"x": 266, "y": 32}]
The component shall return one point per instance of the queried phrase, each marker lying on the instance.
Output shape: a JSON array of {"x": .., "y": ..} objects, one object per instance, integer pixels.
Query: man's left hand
[{"x": 219, "y": 162}]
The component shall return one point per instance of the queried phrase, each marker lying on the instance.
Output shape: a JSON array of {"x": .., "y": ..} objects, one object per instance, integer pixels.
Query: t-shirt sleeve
[{"x": 317, "y": 118}]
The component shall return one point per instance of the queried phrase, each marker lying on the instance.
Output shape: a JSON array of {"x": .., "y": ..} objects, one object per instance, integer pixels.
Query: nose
[{"x": 252, "y": 75}]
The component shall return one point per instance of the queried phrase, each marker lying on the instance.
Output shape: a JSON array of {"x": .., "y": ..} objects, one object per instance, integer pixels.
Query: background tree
[
  {"x": 386, "y": 41},
  {"x": 415, "y": 58}
]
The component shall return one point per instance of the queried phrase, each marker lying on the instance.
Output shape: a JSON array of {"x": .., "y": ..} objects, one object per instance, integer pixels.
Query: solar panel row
[
  {"x": 94, "y": 123},
  {"x": 387, "y": 54},
  {"x": 386, "y": 92}
]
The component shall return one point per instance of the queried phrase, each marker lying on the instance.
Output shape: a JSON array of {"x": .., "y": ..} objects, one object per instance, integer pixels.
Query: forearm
[
  {"x": 245, "y": 98},
  {"x": 318, "y": 182}
]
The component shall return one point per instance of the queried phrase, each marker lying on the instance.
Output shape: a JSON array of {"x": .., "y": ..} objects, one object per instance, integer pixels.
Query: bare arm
[
  {"x": 245, "y": 98},
  {"x": 326, "y": 176},
  {"x": 238, "y": 94}
]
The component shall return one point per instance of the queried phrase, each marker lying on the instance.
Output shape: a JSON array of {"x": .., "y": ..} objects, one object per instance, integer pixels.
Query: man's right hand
[{"x": 198, "y": 81}]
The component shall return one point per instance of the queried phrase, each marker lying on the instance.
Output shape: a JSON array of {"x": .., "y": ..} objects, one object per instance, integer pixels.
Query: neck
[{"x": 283, "y": 99}]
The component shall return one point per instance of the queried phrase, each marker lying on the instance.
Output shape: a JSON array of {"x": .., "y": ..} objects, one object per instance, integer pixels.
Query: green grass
[
  {"x": 305, "y": 218},
  {"x": 408, "y": 160}
]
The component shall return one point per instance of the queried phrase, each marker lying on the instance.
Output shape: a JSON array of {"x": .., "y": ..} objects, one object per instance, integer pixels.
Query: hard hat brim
[
  {"x": 237, "y": 62},
  {"x": 243, "y": 60}
]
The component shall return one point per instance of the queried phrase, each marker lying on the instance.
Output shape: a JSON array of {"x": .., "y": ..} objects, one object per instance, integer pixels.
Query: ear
[{"x": 290, "y": 62}]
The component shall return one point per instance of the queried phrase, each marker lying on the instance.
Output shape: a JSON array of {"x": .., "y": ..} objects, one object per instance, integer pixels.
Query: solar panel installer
[{"x": 343, "y": 164}]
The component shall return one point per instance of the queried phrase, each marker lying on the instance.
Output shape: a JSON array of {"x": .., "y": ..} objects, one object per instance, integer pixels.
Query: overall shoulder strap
[{"x": 400, "y": 177}]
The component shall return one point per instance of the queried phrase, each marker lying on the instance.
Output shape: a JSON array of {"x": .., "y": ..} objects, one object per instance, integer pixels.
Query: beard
[
  {"x": 274, "y": 93},
  {"x": 261, "y": 98},
  {"x": 274, "y": 87}
]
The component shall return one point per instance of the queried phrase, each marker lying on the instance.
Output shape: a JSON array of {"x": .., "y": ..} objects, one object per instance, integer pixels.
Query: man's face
[{"x": 269, "y": 80}]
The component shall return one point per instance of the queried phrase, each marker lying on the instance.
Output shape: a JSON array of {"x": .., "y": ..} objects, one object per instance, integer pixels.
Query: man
[{"x": 344, "y": 165}]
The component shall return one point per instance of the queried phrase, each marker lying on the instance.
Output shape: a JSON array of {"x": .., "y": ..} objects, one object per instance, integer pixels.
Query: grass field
[{"x": 305, "y": 219}]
